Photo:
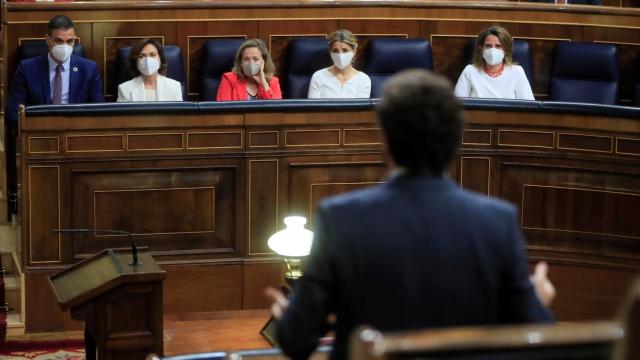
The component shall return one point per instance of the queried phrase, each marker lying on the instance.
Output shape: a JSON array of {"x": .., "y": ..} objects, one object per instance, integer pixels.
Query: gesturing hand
[
  {"x": 542, "y": 285},
  {"x": 279, "y": 302}
]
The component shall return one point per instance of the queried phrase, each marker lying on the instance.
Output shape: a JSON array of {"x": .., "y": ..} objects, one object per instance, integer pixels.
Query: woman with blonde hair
[
  {"x": 341, "y": 80},
  {"x": 493, "y": 73},
  {"x": 252, "y": 75}
]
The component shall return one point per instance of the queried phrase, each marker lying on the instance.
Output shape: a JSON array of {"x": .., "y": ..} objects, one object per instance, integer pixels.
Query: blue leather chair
[
  {"x": 584, "y": 72},
  {"x": 520, "y": 52},
  {"x": 387, "y": 56},
  {"x": 175, "y": 67},
  {"x": 29, "y": 49},
  {"x": 217, "y": 58},
  {"x": 304, "y": 57}
]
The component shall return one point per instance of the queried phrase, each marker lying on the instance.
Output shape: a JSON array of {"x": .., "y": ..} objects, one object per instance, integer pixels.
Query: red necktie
[{"x": 57, "y": 85}]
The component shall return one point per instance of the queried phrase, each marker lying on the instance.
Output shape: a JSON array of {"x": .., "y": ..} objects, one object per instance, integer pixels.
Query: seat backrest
[
  {"x": 217, "y": 58},
  {"x": 387, "y": 56},
  {"x": 575, "y": 341},
  {"x": 175, "y": 67},
  {"x": 584, "y": 72},
  {"x": 520, "y": 53},
  {"x": 304, "y": 57},
  {"x": 29, "y": 49}
]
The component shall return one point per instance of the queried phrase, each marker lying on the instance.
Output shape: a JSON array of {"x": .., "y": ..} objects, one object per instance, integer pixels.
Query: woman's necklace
[{"x": 494, "y": 73}]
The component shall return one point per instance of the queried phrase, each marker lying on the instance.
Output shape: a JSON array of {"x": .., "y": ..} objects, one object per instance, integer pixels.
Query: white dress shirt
[
  {"x": 166, "y": 90},
  {"x": 65, "y": 77},
  {"x": 511, "y": 84},
  {"x": 324, "y": 85}
]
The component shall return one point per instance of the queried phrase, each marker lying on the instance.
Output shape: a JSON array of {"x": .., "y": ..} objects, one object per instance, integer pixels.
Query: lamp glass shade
[{"x": 294, "y": 240}]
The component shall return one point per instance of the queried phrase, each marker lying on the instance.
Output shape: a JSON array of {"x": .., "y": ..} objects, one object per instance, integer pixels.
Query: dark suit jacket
[
  {"x": 31, "y": 85},
  {"x": 415, "y": 252},
  {"x": 583, "y": 2}
]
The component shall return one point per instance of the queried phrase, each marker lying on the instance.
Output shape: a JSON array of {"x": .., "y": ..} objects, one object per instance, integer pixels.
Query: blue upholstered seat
[
  {"x": 388, "y": 56},
  {"x": 584, "y": 72},
  {"x": 29, "y": 49},
  {"x": 217, "y": 58},
  {"x": 304, "y": 57},
  {"x": 520, "y": 52},
  {"x": 175, "y": 67}
]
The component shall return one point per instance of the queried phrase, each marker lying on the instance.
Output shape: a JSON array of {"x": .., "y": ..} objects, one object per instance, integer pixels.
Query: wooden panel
[
  {"x": 215, "y": 140},
  {"x": 44, "y": 214},
  {"x": 49, "y": 144},
  {"x": 476, "y": 137},
  {"x": 523, "y": 138},
  {"x": 44, "y": 311},
  {"x": 628, "y": 146},
  {"x": 216, "y": 288},
  {"x": 366, "y": 136},
  {"x": 191, "y": 210},
  {"x": 255, "y": 278},
  {"x": 585, "y": 142},
  {"x": 475, "y": 173},
  {"x": 87, "y": 143},
  {"x": 168, "y": 141},
  {"x": 263, "y": 139},
  {"x": 263, "y": 215},
  {"x": 328, "y": 137},
  {"x": 546, "y": 208},
  {"x": 576, "y": 210},
  {"x": 183, "y": 203}
]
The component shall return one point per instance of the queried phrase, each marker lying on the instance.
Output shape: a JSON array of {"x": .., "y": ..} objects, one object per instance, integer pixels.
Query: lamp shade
[{"x": 294, "y": 240}]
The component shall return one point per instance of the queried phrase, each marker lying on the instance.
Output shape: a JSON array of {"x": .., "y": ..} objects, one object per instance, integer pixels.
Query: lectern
[{"x": 120, "y": 304}]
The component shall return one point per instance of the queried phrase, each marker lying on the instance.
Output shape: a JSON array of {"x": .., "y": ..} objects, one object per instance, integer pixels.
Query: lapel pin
[{"x": 75, "y": 69}]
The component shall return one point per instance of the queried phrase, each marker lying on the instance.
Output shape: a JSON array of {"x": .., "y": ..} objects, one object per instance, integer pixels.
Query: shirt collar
[{"x": 53, "y": 64}]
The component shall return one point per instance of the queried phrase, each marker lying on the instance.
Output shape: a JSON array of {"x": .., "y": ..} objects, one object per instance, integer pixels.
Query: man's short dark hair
[
  {"x": 60, "y": 22},
  {"x": 422, "y": 121}
]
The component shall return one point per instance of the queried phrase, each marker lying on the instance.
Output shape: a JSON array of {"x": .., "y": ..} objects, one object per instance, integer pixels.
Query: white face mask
[
  {"x": 342, "y": 60},
  {"x": 149, "y": 65},
  {"x": 250, "y": 68},
  {"x": 61, "y": 52},
  {"x": 493, "y": 56}
]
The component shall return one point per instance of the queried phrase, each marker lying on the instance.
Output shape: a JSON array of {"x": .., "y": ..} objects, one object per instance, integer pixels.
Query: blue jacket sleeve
[{"x": 95, "y": 83}]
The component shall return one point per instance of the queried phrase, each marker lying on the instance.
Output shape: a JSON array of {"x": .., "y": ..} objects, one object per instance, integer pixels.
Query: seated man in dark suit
[
  {"x": 57, "y": 77},
  {"x": 417, "y": 251}
]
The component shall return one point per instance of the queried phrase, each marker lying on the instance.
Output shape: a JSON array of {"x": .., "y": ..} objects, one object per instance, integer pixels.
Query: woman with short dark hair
[
  {"x": 492, "y": 73},
  {"x": 252, "y": 75},
  {"x": 148, "y": 64}
]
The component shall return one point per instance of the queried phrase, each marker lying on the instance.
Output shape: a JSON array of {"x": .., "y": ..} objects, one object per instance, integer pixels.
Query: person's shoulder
[
  {"x": 170, "y": 81},
  {"x": 128, "y": 83},
  {"x": 483, "y": 204},
  {"x": 230, "y": 75},
  {"x": 361, "y": 76},
  {"x": 34, "y": 61},
  {"x": 515, "y": 68},
  {"x": 80, "y": 61},
  {"x": 355, "y": 199},
  {"x": 324, "y": 72}
]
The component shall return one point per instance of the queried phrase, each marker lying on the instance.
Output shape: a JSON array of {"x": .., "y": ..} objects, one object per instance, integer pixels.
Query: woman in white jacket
[{"x": 147, "y": 63}]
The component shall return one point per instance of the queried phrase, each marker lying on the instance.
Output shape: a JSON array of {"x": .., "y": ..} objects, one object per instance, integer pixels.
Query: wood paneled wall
[
  {"x": 448, "y": 25},
  {"x": 205, "y": 190}
]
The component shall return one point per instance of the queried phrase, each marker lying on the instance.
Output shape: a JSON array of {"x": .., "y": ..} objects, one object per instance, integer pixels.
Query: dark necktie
[{"x": 57, "y": 86}]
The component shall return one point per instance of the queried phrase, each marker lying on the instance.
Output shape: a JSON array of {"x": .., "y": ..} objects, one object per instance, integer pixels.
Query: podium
[{"x": 120, "y": 304}]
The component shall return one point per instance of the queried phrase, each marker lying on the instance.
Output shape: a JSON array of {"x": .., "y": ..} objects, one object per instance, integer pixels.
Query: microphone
[{"x": 134, "y": 248}]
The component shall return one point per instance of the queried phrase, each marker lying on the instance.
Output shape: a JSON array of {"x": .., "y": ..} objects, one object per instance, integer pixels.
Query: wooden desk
[{"x": 203, "y": 185}]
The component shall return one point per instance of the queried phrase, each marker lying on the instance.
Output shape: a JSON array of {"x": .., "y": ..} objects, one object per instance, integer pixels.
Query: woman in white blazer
[{"x": 147, "y": 62}]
